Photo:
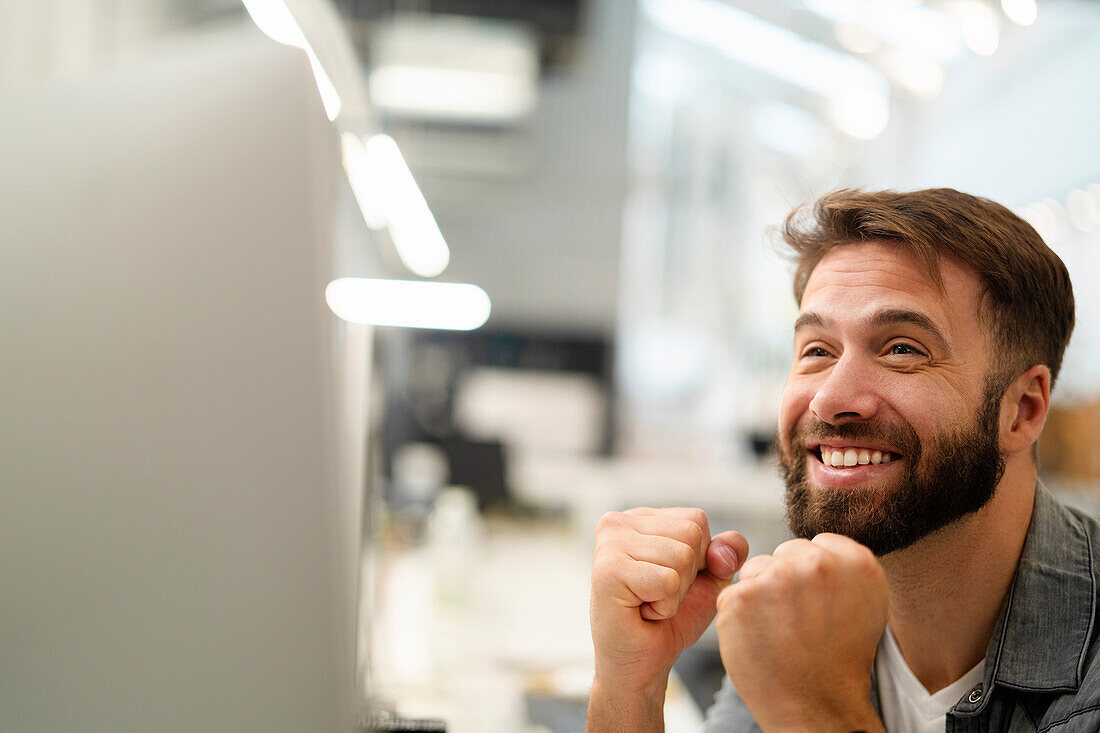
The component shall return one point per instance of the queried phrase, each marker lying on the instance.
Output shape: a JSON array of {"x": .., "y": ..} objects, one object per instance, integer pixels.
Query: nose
[{"x": 847, "y": 394}]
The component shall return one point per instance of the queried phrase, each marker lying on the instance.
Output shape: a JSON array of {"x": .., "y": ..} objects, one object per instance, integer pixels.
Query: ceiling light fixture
[
  {"x": 858, "y": 94},
  {"x": 408, "y": 303}
]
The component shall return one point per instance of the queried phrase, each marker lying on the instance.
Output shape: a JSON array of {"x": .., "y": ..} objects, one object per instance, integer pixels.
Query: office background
[{"x": 236, "y": 497}]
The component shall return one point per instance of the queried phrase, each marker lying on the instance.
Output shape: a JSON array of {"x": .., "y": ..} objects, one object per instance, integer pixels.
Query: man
[{"x": 933, "y": 583}]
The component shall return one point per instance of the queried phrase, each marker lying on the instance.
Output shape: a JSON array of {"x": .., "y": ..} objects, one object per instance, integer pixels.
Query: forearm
[
  {"x": 612, "y": 709},
  {"x": 847, "y": 724},
  {"x": 805, "y": 717}
]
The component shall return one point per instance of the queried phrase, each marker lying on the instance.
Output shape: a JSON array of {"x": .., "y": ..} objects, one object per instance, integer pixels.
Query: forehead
[{"x": 855, "y": 280}]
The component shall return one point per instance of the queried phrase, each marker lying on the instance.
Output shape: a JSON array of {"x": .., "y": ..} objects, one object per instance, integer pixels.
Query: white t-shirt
[{"x": 906, "y": 705}]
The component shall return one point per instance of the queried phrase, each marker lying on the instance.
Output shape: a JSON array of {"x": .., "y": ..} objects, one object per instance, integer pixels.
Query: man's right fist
[{"x": 656, "y": 575}]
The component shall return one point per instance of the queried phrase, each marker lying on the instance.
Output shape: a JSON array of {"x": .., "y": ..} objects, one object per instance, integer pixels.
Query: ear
[{"x": 1024, "y": 409}]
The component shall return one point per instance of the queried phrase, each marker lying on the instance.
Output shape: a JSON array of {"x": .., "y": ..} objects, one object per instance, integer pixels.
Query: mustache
[{"x": 902, "y": 437}]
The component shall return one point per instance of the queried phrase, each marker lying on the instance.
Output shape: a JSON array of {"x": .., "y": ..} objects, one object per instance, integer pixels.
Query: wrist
[
  {"x": 861, "y": 719},
  {"x": 617, "y": 704},
  {"x": 650, "y": 689}
]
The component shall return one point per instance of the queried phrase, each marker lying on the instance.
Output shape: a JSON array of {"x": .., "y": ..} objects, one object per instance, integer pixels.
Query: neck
[{"x": 945, "y": 598}]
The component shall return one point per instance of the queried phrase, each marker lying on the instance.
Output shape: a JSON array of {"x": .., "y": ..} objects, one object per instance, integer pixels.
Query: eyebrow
[{"x": 880, "y": 318}]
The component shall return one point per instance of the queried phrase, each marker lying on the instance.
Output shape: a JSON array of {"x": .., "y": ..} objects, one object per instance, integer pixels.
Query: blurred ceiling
[{"x": 531, "y": 202}]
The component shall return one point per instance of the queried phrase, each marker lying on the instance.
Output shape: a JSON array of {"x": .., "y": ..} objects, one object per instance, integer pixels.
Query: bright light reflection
[
  {"x": 858, "y": 93},
  {"x": 860, "y": 115},
  {"x": 389, "y": 197},
  {"x": 856, "y": 37},
  {"x": 369, "y": 189},
  {"x": 1046, "y": 217},
  {"x": 1082, "y": 211},
  {"x": 979, "y": 25},
  {"x": 274, "y": 18},
  {"x": 1093, "y": 191},
  {"x": 1042, "y": 219},
  {"x": 1020, "y": 12},
  {"x": 916, "y": 28},
  {"x": 415, "y": 233},
  {"x": 408, "y": 303},
  {"x": 919, "y": 75}
]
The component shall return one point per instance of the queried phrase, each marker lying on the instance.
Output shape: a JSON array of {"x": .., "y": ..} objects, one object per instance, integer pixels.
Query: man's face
[{"x": 889, "y": 427}]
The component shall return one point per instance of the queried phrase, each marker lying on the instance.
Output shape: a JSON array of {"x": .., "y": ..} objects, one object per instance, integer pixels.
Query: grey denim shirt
[{"x": 1042, "y": 671}]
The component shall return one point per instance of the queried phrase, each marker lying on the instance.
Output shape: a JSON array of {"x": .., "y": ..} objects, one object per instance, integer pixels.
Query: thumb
[
  {"x": 699, "y": 606},
  {"x": 726, "y": 554}
]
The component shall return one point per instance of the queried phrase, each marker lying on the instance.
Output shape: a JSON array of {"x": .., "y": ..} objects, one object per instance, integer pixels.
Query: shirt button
[{"x": 975, "y": 695}]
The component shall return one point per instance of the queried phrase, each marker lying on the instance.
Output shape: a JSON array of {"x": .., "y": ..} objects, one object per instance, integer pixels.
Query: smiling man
[{"x": 933, "y": 584}]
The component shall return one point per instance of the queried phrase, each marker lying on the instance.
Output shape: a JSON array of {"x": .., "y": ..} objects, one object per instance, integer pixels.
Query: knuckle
[
  {"x": 782, "y": 572},
  {"x": 752, "y": 565},
  {"x": 727, "y": 598},
  {"x": 865, "y": 560},
  {"x": 684, "y": 555},
  {"x": 698, "y": 516},
  {"x": 610, "y": 520},
  {"x": 670, "y": 581},
  {"x": 728, "y": 592},
  {"x": 818, "y": 565},
  {"x": 604, "y": 567},
  {"x": 785, "y": 546},
  {"x": 695, "y": 533},
  {"x": 735, "y": 599}
]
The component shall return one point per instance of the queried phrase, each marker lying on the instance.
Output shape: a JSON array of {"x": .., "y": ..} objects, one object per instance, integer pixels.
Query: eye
[
  {"x": 904, "y": 349},
  {"x": 814, "y": 352}
]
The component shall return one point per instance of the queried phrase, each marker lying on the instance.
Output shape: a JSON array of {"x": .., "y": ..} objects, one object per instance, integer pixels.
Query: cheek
[{"x": 926, "y": 410}]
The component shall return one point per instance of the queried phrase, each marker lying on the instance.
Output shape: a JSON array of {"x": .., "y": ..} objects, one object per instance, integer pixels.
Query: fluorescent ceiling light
[
  {"x": 1082, "y": 210},
  {"x": 915, "y": 28},
  {"x": 408, "y": 303},
  {"x": 1045, "y": 216},
  {"x": 389, "y": 198},
  {"x": 1093, "y": 190},
  {"x": 859, "y": 95},
  {"x": 981, "y": 28},
  {"x": 368, "y": 187},
  {"x": 412, "y": 226},
  {"x": 1020, "y": 12},
  {"x": 274, "y": 18},
  {"x": 862, "y": 117},
  {"x": 920, "y": 75},
  {"x": 856, "y": 37},
  {"x": 454, "y": 68}
]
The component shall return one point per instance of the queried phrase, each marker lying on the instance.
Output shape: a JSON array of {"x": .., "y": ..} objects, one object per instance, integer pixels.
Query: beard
[{"x": 956, "y": 474}]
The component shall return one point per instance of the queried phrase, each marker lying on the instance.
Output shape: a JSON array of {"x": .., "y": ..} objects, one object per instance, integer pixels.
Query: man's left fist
[{"x": 798, "y": 634}]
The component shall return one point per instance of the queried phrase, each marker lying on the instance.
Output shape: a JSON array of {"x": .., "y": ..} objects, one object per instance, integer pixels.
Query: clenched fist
[
  {"x": 798, "y": 634},
  {"x": 655, "y": 578}
]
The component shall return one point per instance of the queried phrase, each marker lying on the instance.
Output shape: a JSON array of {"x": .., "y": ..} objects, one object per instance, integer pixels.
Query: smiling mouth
[{"x": 849, "y": 457}]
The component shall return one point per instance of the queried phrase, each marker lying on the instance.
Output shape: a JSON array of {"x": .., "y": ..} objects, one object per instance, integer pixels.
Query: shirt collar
[{"x": 1041, "y": 638}]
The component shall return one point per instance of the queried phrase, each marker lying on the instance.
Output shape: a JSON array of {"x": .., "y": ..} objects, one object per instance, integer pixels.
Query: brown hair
[{"x": 1027, "y": 298}]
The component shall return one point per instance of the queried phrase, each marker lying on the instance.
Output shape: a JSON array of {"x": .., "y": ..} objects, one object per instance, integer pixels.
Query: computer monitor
[{"x": 177, "y": 546}]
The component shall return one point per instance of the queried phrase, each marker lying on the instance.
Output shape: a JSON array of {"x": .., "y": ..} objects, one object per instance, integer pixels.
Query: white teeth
[{"x": 849, "y": 457}]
